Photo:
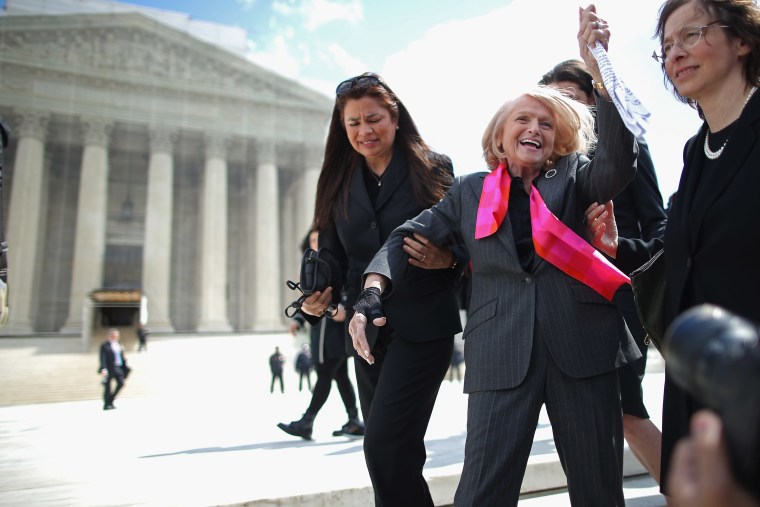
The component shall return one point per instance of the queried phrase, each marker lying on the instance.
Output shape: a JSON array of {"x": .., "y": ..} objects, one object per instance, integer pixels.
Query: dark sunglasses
[{"x": 357, "y": 82}]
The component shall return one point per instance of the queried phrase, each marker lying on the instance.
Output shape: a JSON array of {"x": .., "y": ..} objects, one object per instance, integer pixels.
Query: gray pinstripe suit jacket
[{"x": 585, "y": 333}]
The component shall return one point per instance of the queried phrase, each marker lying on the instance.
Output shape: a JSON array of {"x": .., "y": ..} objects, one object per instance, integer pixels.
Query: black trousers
[
  {"x": 117, "y": 374},
  {"x": 304, "y": 375},
  {"x": 277, "y": 376},
  {"x": 397, "y": 396},
  {"x": 333, "y": 369}
]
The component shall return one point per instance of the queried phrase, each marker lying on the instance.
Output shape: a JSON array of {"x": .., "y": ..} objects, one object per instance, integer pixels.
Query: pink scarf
[{"x": 553, "y": 240}]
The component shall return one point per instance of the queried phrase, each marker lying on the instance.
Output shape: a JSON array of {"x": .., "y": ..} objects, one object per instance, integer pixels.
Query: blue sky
[{"x": 453, "y": 63}]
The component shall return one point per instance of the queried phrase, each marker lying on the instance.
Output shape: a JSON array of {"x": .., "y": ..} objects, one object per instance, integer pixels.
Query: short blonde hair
[{"x": 573, "y": 125}]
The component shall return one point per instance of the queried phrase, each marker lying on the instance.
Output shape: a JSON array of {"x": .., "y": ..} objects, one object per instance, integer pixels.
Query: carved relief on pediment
[{"x": 129, "y": 51}]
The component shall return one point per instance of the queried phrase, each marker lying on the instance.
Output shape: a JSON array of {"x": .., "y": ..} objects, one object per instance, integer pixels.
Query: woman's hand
[
  {"x": 602, "y": 228},
  {"x": 368, "y": 305},
  {"x": 424, "y": 254},
  {"x": 340, "y": 314},
  {"x": 317, "y": 303},
  {"x": 591, "y": 29}
]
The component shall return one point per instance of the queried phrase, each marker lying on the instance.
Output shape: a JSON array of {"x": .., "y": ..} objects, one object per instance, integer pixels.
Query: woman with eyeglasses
[
  {"x": 542, "y": 329},
  {"x": 377, "y": 173},
  {"x": 710, "y": 56}
]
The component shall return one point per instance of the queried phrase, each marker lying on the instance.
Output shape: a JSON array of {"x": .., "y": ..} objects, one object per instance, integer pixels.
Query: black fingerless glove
[{"x": 369, "y": 304}]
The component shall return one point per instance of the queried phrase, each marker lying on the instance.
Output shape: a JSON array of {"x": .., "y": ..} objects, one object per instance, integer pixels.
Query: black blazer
[
  {"x": 713, "y": 238},
  {"x": 108, "y": 358},
  {"x": 425, "y": 306}
]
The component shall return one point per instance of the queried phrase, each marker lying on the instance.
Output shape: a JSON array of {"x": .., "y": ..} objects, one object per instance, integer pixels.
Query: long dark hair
[
  {"x": 743, "y": 19},
  {"x": 341, "y": 159}
]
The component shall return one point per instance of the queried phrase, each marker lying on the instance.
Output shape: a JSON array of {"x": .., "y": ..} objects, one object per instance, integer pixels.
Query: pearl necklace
[{"x": 712, "y": 155}]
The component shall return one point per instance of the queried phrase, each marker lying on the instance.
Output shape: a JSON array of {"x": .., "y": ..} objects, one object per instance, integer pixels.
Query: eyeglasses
[
  {"x": 688, "y": 37},
  {"x": 357, "y": 82}
]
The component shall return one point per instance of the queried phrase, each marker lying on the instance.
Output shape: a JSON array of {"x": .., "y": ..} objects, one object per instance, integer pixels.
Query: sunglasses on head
[{"x": 357, "y": 82}]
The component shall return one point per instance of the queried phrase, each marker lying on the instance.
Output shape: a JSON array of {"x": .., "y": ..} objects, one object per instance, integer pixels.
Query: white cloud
[
  {"x": 455, "y": 77},
  {"x": 278, "y": 58},
  {"x": 316, "y": 13},
  {"x": 283, "y": 8},
  {"x": 321, "y": 12},
  {"x": 348, "y": 64},
  {"x": 247, "y": 4}
]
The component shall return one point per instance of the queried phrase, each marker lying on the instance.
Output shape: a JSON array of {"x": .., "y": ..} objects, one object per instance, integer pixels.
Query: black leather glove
[{"x": 370, "y": 304}]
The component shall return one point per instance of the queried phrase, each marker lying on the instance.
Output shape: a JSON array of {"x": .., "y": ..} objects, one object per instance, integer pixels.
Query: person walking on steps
[
  {"x": 330, "y": 363},
  {"x": 142, "y": 337},
  {"x": 113, "y": 366}
]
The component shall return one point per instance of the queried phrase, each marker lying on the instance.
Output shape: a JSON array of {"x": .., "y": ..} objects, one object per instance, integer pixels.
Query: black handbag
[
  {"x": 319, "y": 270},
  {"x": 648, "y": 283}
]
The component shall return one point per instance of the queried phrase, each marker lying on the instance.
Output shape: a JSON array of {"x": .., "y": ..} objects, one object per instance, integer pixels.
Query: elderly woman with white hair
[{"x": 542, "y": 328}]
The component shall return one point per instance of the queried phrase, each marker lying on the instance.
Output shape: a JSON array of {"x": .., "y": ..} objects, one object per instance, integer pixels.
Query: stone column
[
  {"x": 213, "y": 244},
  {"x": 267, "y": 312},
  {"x": 92, "y": 211},
  {"x": 157, "y": 248},
  {"x": 312, "y": 169},
  {"x": 24, "y": 219}
]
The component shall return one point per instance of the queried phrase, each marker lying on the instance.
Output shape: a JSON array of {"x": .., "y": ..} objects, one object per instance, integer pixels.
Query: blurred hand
[
  {"x": 317, "y": 303},
  {"x": 602, "y": 228},
  {"x": 700, "y": 471},
  {"x": 293, "y": 327},
  {"x": 424, "y": 254},
  {"x": 340, "y": 315}
]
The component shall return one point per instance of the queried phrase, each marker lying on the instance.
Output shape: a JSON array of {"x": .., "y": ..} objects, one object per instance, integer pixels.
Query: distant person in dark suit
[
  {"x": 276, "y": 361},
  {"x": 113, "y": 367},
  {"x": 142, "y": 337},
  {"x": 457, "y": 358},
  {"x": 304, "y": 366}
]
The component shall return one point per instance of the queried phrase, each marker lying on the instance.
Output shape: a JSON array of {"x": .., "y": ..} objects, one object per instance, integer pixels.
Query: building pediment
[{"x": 136, "y": 49}]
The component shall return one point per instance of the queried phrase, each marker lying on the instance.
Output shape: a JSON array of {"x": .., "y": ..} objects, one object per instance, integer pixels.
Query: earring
[{"x": 396, "y": 127}]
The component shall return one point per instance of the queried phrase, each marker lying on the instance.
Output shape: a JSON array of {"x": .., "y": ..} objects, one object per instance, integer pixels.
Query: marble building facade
[{"x": 144, "y": 158}]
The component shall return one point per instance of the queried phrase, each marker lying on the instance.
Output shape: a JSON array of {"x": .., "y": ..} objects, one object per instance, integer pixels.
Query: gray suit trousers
[{"x": 586, "y": 421}]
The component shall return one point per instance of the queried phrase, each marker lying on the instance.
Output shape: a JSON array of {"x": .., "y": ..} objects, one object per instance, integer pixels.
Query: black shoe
[
  {"x": 300, "y": 428},
  {"x": 108, "y": 407},
  {"x": 353, "y": 428}
]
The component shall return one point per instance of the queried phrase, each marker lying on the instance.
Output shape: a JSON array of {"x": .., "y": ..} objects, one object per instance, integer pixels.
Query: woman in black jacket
[
  {"x": 710, "y": 57},
  {"x": 377, "y": 173},
  {"x": 330, "y": 363}
]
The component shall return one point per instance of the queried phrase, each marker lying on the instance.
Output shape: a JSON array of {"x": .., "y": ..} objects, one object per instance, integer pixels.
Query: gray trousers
[{"x": 586, "y": 421}]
